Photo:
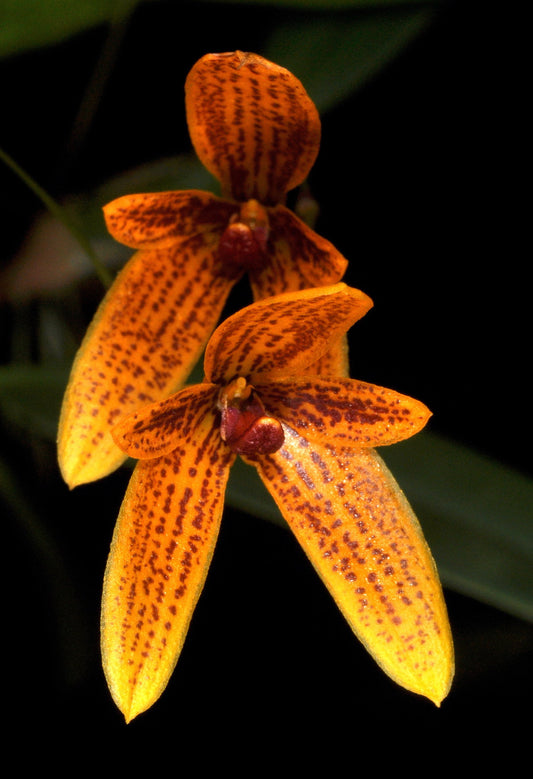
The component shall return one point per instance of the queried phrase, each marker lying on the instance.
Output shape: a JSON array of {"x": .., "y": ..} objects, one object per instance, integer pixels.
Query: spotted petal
[
  {"x": 161, "y": 550},
  {"x": 159, "y": 428},
  {"x": 335, "y": 362},
  {"x": 345, "y": 413},
  {"x": 147, "y": 335},
  {"x": 158, "y": 219},
  {"x": 252, "y": 124},
  {"x": 280, "y": 336},
  {"x": 298, "y": 258},
  {"x": 360, "y": 534}
]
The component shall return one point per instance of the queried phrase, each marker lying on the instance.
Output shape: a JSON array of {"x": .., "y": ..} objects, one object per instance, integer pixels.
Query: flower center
[
  {"x": 244, "y": 241},
  {"x": 244, "y": 424}
]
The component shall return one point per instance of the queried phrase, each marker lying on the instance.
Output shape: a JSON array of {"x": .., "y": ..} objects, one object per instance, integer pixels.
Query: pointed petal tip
[
  {"x": 435, "y": 683},
  {"x": 127, "y": 702},
  {"x": 76, "y": 472},
  {"x": 131, "y": 712},
  {"x": 69, "y": 475},
  {"x": 438, "y": 695}
]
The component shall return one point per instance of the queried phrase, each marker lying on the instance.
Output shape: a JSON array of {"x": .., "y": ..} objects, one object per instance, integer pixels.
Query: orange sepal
[
  {"x": 252, "y": 125},
  {"x": 280, "y": 336},
  {"x": 160, "y": 554},
  {"x": 156, "y": 220},
  {"x": 298, "y": 258},
  {"x": 157, "y": 429},
  {"x": 335, "y": 362},
  {"x": 360, "y": 534},
  {"x": 144, "y": 340},
  {"x": 345, "y": 413}
]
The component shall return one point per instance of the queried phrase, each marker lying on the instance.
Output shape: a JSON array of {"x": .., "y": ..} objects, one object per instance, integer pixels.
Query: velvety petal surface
[
  {"x": 160, "y": 553},
  {"x": 280, "y": 336},
  {"x": 335, "y": 362},
  {"x": 144, "y": 340},
  {"x": 345, "y": 413},
  {"x": 156, "y": 220},
  {"x": 159, "y": 428},
  {"x": 298, "y": 258},
  {"x": 252, "y": 124},
  {"x": 359, "y": 532}
]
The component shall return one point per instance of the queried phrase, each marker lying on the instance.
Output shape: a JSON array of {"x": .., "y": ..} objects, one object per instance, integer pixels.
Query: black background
[{"x": 418, "y": 181}]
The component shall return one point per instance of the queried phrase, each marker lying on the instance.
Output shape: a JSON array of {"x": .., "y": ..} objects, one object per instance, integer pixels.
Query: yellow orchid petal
[
  {"x": 252, "y": 125},
  {"x": 298, "y": 258},
  {"x": 159, "y": 428},
  {"x": 144, "y": 340},
  {"x": 160, "y": 553},
  {"x": 279, "y": 336},
  {"x": 360, "y": 534},
  {"x": 156, "y": 220},
  {"x": 345, "y": 413}
]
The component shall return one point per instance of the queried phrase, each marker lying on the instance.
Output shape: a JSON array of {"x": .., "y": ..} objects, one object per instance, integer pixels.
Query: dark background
[{"x": 417, "y": 185}]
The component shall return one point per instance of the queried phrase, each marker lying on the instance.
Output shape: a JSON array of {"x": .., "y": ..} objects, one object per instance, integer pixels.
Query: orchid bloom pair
[
  {"x": 255, "y": 128},
  {"x": 275, "y": 392}
]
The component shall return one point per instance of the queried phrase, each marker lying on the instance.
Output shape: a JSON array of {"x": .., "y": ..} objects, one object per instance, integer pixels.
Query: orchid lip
[{"x": 245, "y": 425}]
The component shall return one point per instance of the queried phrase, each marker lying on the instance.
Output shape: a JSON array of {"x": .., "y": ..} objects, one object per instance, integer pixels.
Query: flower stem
[{"x": 60, "y": 213}]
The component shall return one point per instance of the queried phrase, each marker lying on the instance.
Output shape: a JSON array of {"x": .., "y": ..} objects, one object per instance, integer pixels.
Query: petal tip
[
  {"x": 439, "y": 691},
  {"x": 79, "y": 467}
]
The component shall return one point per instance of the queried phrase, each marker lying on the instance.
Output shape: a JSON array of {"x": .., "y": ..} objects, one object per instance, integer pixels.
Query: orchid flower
[
  {"x": 255, "y": 128},
  {"x": 311, "y": 440}
]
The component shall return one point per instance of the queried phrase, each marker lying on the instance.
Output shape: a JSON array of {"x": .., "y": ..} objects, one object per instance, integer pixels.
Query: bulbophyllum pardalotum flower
[
  {"x": 255, "y": 128},
  {"x": 310, "y": 439}
]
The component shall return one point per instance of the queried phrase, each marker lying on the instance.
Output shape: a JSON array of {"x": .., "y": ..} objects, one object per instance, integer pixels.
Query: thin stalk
[
  {"x": 122, "y": 12},
  {"x": 60, "y": 213}
]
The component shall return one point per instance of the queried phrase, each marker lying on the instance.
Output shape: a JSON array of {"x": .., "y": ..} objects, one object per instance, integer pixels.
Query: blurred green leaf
[
  {"x": 29, "y": 24},
  {"x": 476, "y": 515},
  {"x": 30, "y": 396},
  {"x": 334, "y": 55}
]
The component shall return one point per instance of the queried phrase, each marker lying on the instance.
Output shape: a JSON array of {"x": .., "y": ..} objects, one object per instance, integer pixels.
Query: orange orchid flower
[
  {"x": 310, "y": 439},
  {"x": 255, "y": 128}
]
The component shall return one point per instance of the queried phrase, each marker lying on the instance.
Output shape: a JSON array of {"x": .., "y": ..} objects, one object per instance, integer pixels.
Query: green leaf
[
  {"x": 29, "y": 24},
  {"x": 476, "y": 515},
  {"x": 30, "y": 397},
  {"x": 336, "y": 54}
]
